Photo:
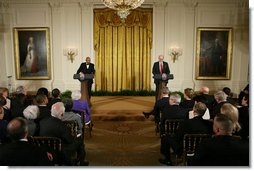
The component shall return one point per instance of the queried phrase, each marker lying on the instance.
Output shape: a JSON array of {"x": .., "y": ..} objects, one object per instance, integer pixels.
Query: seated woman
[
  {"x": 79, "y": 104},
  {"x": 70, "y": 116}
]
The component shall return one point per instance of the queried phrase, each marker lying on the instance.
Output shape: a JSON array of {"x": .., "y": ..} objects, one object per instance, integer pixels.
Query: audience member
[
  {"x": 5, "y": 93},
  {"x": 3, "y": 126},
  {"x": 200, "y": 98},
  {"x": 81, "y": 105},
  {"x": 159, "y": 105},
  {"x": 232, "y": 113},
  {"x": 222, "y": 149},
  {"x": 172, "y": 111},
  {"x": 70, "y": 116},
  {"x": 55, "y": 97},
  {"x": 188, "y": 102},
  {"x": 19, "y": 103},
  {"x": 42, "y": 101},
  {"x": 20, "y": 152},
  {"x": 242, "y": 93},
  {"x": 220, "y": 98},
  {"x": 54, "y": 127},
  {"x": 229, "y": 95},
  {"x": 197, "y": 125},
  {"x": 244, "y": 117},
  {"x": 44, "y": 91},
  {"x": 210, "y": 99},
  {"x": 31, "y": 114}
]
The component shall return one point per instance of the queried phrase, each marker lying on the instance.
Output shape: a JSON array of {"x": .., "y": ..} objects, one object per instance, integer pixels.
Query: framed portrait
[
  {"x": 32, "y": 53},
  {"x": 214, "y": 53}
]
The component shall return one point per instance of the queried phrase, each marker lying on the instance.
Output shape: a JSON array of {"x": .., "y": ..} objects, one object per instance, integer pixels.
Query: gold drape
[{"x": 123, "y": 50}]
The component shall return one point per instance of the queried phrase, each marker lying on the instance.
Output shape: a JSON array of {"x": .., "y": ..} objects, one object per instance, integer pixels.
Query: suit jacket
[
  {"x": 84, "y": 69},
  {"x": 216, "y": 109},
  {"x": 172, "y": 112},
  {"x": 54, "y": 127},
  {"x": 196, "y": 125},
  {"x": 160, "y": 104},
  {"x": 22, "y": 153},
  {"x": 244, "y": 122},
  {"x": 222, "y": 151},
  {"x": 156, "y": 69}
]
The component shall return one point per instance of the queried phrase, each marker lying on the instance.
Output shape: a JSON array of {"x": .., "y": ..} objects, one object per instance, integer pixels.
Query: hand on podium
[{"x": 82, "y": 76}]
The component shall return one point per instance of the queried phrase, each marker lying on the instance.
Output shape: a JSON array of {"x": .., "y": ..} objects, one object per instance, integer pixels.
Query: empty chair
[{"x": 191, "y": 142}]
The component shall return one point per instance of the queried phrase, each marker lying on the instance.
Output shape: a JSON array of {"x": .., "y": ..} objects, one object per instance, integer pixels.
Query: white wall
[{"x": 174, "y": 24}]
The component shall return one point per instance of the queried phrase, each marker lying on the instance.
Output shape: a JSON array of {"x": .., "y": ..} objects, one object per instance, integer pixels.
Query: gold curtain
[{"x": 123, "y": 50}]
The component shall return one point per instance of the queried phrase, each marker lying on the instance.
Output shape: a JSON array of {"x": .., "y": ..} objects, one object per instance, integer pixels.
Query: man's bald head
[
  {"x": 204, "y": 90},
  {"x": 17, "y": 128}
]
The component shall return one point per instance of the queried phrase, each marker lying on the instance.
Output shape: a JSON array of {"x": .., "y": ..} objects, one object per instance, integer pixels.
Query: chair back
[
  {"x": 191, "y": 142},
  {"x": 73, "y": 126},
  {"x": 171, "y": 125},
  {"x": 52, "y": 143}
]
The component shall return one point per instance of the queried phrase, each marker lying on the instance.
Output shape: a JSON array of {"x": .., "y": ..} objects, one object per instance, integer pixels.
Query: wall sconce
[
  {"x": 70, "y": 53},
  {"x": 175, "y": 52}
]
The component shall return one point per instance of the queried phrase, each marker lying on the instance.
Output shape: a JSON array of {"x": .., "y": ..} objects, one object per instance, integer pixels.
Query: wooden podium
[
  {"x": 162, "y": 79},
  {"x": 84, "y": 91}
]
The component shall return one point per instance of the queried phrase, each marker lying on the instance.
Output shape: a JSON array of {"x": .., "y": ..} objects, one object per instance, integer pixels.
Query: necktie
[{"x": 161, "y": 68}]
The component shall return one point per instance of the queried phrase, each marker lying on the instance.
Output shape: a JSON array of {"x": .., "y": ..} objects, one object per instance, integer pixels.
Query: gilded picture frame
[
  {"x": 32, "y": 53},
  {"x": 213, "y": 53}
]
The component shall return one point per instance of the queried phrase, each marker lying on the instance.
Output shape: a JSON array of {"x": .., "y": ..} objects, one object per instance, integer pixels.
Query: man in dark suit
[
  {"x": 87, "y": 68},
  {"x": 196, "y": 125},
  {"x": 159, "y": 106},
  {"x": 160, "y": 68},
  {"x": 20, "y": 152},
  {"x": 210, "y": 101},
  {"x": 172, "y": 111},
  {"x": 222, "y": 149},
  {"x": 54, "y": 127}
]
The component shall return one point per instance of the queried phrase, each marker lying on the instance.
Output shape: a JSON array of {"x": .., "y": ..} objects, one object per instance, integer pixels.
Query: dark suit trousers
[{"x": 168, "y": 142}]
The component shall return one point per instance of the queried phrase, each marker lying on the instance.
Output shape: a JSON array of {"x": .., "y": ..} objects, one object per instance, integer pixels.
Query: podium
[
  {"x": 84, "y": 91},
  {"x": 162, "y": 79}
]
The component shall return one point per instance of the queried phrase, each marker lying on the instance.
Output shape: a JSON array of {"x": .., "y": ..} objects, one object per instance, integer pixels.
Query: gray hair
[
  {"x": 76, "y": 95},
  {"x": 220, "y": 96},
  {"x": 20, "y": 90},
  {"x": 31, "y": 112},
  {"x": 57, "y": 110},
  {"x": 176, "y": 97}
]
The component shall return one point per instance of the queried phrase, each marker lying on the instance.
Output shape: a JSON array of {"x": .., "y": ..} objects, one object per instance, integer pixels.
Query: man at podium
[
  {"x": 159, "y": 68},
  {"x": 87, "y": 68}
]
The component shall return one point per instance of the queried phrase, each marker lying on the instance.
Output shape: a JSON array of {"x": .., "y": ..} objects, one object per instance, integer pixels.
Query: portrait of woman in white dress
[{"x": 30, "y": 64}]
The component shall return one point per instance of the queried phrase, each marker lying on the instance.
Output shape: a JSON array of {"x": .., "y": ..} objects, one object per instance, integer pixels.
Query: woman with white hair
[
  {"x": 31, "y": 113},
  {"x": 80, "y": 105}
]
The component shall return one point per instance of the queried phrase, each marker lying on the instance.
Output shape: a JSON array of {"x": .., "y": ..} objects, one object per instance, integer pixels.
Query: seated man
[
  {"x": 20, "y": 152},
  {"x": 222, "y": 149},
  {"x": 197, "y": 125},
  {"x": 54, "y": 127},
  {"x": 172, "y": 111},
  {"x": 159, "y": 105}
]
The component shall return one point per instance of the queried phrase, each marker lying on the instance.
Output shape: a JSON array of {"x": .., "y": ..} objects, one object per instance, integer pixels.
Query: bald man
[
  {"x": 87, "y": 68},
  {"x": 210, "y": 101},
  {"x": 160, "y": 67},
  {"x": 20, "y": 152}
]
